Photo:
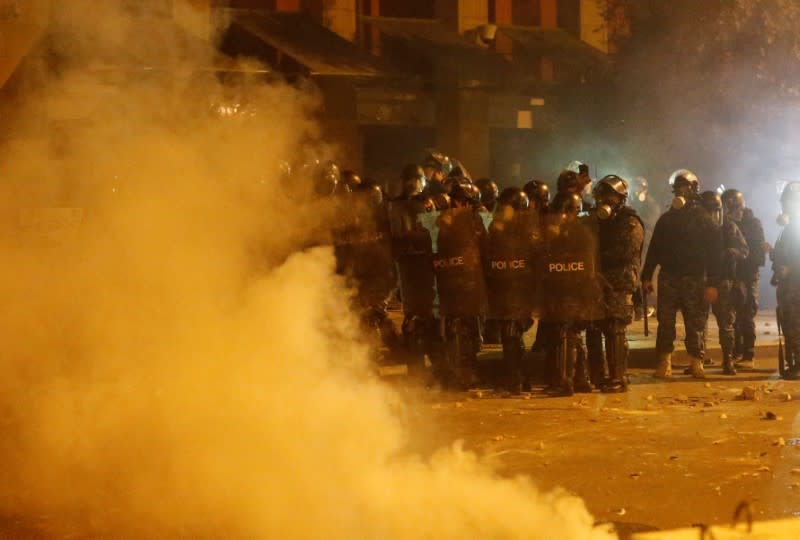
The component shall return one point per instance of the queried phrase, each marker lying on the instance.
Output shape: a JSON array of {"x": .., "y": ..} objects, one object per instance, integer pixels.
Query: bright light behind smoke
[{"x": 170, "y": 369}]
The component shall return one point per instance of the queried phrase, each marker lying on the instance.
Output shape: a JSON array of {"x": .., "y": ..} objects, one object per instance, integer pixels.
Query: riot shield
[
  {"x": 510, "y": 265},
  {"x": 457, "y": 262},
  {"x": 571, "y": 283},
  {"x": 413, "y": 255},
  {"x": 364, "y": 250}
]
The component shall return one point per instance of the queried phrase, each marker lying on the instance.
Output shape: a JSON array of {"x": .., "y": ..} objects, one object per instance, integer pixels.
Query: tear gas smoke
[{"x": 169, "y": 368}]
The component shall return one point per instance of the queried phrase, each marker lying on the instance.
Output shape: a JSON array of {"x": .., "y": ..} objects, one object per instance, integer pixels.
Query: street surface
[{"x": 664, "y": 455}]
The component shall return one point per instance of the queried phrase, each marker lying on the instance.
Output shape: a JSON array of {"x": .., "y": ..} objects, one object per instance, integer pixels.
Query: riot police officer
[
  {"x": 734, "y": 251},
  {"x": 538, "y": 194},
  {"x": 510, "y": 277},
  {"x": 786, "y": 279},
  {"x": 685, "y": 245},
  {"x": 437, "y": 168},
  {"x": 571, "y": 295},
  {"x": 489, "y": 193},
  {"x": 458, "y": 255},
  {"x": 412, "y": 251},
  {"x": 621, "y": 237},
  {"x": 747, "y": 273},
  {"x": 363, "y": 249},
  {"x": 539, "y": 204}
]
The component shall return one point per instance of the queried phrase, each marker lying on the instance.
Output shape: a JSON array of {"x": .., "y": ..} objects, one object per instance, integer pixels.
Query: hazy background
[{"x": 171, "y": 367}]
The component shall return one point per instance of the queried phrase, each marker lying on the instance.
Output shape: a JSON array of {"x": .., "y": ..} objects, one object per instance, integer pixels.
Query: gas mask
[
  {"x": 605, "y": 211},
  {"x": 683, "y": 189}
]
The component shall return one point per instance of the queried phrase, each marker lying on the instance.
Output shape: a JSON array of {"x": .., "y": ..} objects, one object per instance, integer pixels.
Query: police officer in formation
[
  {"x": 461, "y": 252},
  {"x": 786, "y": 279},
  {"x": 412, "y": 250},
  {"x": 734, "y": 252},
  {"x": 685, "y": 245},
  {"x": 747, "y": 273},
  {"x": 512, "y": 247},
  {"x": 621, "y": 238},
  {"x": 571, "y": 294}
]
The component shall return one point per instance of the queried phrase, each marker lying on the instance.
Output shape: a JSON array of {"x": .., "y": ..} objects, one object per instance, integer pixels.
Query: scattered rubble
[
  {"x": 779, "y": 442},
  {"x": 750, "y": 393}
]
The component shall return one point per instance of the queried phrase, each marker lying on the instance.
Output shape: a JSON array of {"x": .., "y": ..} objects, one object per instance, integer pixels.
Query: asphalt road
[{"x": 664, "y": 455}]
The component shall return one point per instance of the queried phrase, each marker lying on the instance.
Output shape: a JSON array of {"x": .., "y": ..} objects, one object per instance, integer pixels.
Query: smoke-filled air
[{"x": 183, "y": 363}]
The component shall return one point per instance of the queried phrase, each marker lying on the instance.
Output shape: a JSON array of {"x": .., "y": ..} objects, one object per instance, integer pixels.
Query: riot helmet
[
  {"x": 351, "y": 179},
  {"x": 568, "y": 182},
  {"x": 712, "y": 203},
  {"x": 685, "y": 186},
  {"x": 513, "y": 197},
  {"x": 610, "y": 195},
  {"x": 413, "y": 178},
  {"x": 538, "y": 193},
  {"x": 568, "y": 205},
  {"x": 464, "y": 194},
  {"x": 457, "y": 170},
  {"x": 436, "y": 162},
  {"x": 790, "y": 203},
  {"x": 489, "y": 192},
  {"x": 327, "y": 178},
  {"x": 371, "y": 193},
  {"x": 734, "y": 204}
]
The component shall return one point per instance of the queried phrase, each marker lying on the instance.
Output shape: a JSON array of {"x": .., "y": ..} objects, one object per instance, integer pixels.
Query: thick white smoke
[{"x": 170, "y": 368}]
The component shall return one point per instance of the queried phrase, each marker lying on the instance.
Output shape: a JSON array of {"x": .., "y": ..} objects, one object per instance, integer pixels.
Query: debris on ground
[
  {"x": 769, "y": 415},
  {"x": 779, "y": 442},
  {"x": 749, "y": 393},
  {"x": 682, "y": 398},
  {"x": 723, "y": 416}
]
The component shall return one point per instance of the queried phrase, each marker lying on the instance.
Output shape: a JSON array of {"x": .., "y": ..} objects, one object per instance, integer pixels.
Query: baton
[{"x": 644, "y": 314}]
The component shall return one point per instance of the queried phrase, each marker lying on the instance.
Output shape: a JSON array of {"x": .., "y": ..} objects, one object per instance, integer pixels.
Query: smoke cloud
[{"x": 176, "y": 365}]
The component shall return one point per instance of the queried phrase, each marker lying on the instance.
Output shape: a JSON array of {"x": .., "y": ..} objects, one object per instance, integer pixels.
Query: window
[
  {"x": 569, "y": 16},
  {"x": 416, "y": 9},
  {"x": 525, "y": 12}
]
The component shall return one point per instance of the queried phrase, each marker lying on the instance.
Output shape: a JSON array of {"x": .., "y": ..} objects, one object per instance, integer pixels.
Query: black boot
[
  {"x": 580, "y": 381},
  {"x": 727, "y": 364},
  {"x": 565, "y": 370},
  {"x": 617, "y": 358}
]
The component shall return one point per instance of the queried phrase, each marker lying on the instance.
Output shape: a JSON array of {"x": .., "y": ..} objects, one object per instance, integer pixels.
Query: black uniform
[
  {"x": 510, "y": 274},
  {"x": 747, "y": 277},
  {"x": 734, "y": 251},
  {"x": 571, "y": 294},
  {"x": 786, "y": 277},
  {"x": 461, "y": 286},
  {"x": 363, "y": 249},
  {"x": 413, "y": 255},
  {"x": 621, "y": 239},
  {"x": 685, "y": 245}
]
